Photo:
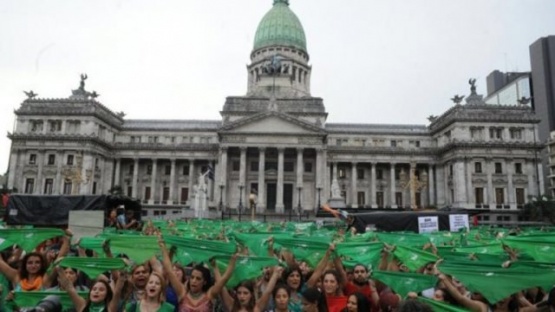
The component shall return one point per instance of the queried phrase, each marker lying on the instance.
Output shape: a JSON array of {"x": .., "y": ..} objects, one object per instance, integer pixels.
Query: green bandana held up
[
  {"x": 93, "y": 243},
  {"x": 29, "y": 239},
  {"x": 255, "y": 242},
  {"x": 496, "y": 283},
  {"x": 32, "y": 298},
  {"x": 307, "y": 249},
  {"x": 247, "y": 268},
  {"x": 413, "y": 258},
  {"x": 403, "y": 239},
  {"x": 540, "y": 247},
  {"x": 137, "y": 248},
  {"x": 438, "y": 306},
  {"x": 92, "y": 267},
  {"x": 360, "y": 252},
  {"x": 197, "y": 251},
  {"x": 403, "y": 283}
]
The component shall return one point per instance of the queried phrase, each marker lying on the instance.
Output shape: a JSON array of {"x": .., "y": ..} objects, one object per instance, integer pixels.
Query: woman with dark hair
[
  {"x": 293, "y": 278},
  {"x": 313, "y": 301},
  {"x": 31, "y": 275},
  {"x": 101, "y": 297},
  {"x": 199, "y": 293},
  {"x": 357, "y": 302},
  {"x": 244, "y": 299}
]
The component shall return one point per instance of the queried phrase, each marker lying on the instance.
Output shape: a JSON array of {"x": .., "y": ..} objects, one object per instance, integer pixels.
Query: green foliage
[{"x": 540, "y": 209}]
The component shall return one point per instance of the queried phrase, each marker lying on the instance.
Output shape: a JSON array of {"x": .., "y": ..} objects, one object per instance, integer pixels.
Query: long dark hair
[
  {"x": 290, "y": 271},
  {"x": 362, "y": 303},
  {"x": 109, "y": 294},
  {"x": 206, "y": 276},
  {"x": 249, "y": 285},
  {"x": 23, "y": 273}
]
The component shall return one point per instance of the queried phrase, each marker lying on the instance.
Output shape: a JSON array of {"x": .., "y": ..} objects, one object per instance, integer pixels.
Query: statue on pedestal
[
  {"x": 336, "y": 200},
  {"x": 200, "y": 195}
]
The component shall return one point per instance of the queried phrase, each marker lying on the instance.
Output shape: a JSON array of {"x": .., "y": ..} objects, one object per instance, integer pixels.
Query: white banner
[
  {"x": 85, "y": 223},
  {"x": 457, "y": 222},
  {"x": 428, "y": 224}
]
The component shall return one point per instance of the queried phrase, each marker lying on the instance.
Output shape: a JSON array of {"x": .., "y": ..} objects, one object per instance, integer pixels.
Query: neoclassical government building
[{"x": 275, "y": 139}]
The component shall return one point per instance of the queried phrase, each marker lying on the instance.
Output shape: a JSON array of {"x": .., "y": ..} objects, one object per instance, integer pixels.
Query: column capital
[
  {"x": 300, "y": 149},
  {"x": 223, "y": 148},
  {"x": 155, "y": 159},
  {"x": 173, "y": 160},
  {"x": 354, "y": 163},
  {"x": 280, "y": 149},
  {"x": 262, "y": 149},
  {"x": 243, "y": 149}
]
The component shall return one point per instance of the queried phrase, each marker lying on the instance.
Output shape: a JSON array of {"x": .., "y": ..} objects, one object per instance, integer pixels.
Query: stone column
[
  {"x": 58, "y": 182},
  {"x": 354, "y": 202},
  {"x": 171, "y": 200},
  {"x": 135, "y": 177},
  {"x": 431, "y": 180},
  {"x": 440, "y": 185},
  {"x": 279, "y": 192},
  {"x": 459, "y": 184},
  {"x": 392, "y": 186},
  {"x": 40, "y": 165},
  {"x": 243, "y": 176},
  {"x": 191, "y": 182},
  {"x": 261, "y": 205},
  {"x": 324, "y": 194},
  {"x": 117, "y": 173},
  {"x": 13, "y": 168},
  {"x": 373, "y": 203},
  {"x": 300, "y": 171},
  {"x": 210, "y": 195},
  {"x": 490, "y": 195},
  {"x": 531, "y": 173},
  {"x": 153, "y": 180},
  {"x": 470, "y": 200},
  {"x": 510, "y": 187},
  {"x": 334, "y": 171},
  {"x": 318, "y": 175},
  {"x": 412, "y": 188}
]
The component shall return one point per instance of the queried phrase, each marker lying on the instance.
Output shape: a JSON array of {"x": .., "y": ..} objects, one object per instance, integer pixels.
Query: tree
[{"x": 540, "y": 209}]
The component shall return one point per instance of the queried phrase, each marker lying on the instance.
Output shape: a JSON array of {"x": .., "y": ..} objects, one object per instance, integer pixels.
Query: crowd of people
[{"x": 330, "y": 281}]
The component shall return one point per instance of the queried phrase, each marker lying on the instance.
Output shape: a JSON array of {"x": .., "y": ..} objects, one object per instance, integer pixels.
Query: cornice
[
  {"x": 262, "y": 115},
  {"x": 162, "y": 147},
  {"x": 92, "y": 138}
]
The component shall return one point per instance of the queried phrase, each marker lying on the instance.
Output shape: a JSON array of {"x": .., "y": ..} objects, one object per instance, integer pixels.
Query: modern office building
[{"x": 276, "y": 139}]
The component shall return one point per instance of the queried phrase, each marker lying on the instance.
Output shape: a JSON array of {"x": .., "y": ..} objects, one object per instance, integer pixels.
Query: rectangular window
[
  {"x": 477, "y": 167},
  {"x": 236, "y": 165},
  {"x": 379, "y": 174},
  {"x": 70, "y": 160},
  {"x": 341, "y": 173},
  {"x": 149, "y": 169},
  {"x": 479, "y": 195},
  {"x": 516, "y": 134},
  {"x": 393, "y": 143},
  {"x": 288, "y": 166},
  {"x": 307, "y": 167},
  {"x": 361, "y": 200},
  {"x": 397, "y": 174},
  {"x": 450, "y": 170},
  {"x": 48, "y": 186},
  {"x": 29, "y": 186},
  {"x": 498, "y": 167},
  {"x": 32, "y": 159},
  {"x": 166, "y": 194},
  {"x": 499, "y": 196},
  {"x": 51, "y": 159},
  {"x": 360, "y": 174},
  {"x": 417, "y": 143},
  {"x": 518, "y": 168},
  {"x": 379, "y": 199},
  {"x": 94, "y": 188},
  {"x": 520, "y": 196},
  {"x": 399, "y": 199},
  {"x": 254, "y": 166},
  {"x": 147, "y": 193},
  {"x": 68, "y": 187},
  {"x": 167, "y": 170},
  {"x": 186, "y": 170},
  {"x": 184, "y": 195}
]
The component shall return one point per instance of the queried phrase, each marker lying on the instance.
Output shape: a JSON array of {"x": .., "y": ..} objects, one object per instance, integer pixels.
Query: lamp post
[
  {"x": 221, "y": 197},
  {"x": 319, "y": 188},
  {"x": 300, "y": 188},
  {"x": 240, "y": 197}
]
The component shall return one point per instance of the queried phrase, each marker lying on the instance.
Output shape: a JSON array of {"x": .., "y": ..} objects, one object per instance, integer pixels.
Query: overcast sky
[{"x": 379, "y": 61}]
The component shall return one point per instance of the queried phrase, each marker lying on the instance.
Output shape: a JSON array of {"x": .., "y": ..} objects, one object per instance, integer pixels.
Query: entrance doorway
[
  {"x": 288, "y": 196},
  {"x": 271, "y": 196}
]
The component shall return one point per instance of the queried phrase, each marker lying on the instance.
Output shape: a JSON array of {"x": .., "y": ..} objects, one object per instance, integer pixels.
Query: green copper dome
[{"x": 280, "y": 26}]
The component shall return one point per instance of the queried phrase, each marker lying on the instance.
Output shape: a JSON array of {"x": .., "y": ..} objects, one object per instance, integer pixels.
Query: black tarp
[
  {"x": 406, "y": 220},
  {"x": 53, "y": 210}
]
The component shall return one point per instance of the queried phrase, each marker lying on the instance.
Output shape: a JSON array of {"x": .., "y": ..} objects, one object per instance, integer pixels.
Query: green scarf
[
  {"x": 137, "y": 248},
  {"x": 307, "y": 249},
  {"x": 414, "y": 258},
  {"x": 194, "y": 250},
  {"x": 403, "y": 239},
  {"x": 540, "y": 247},
  {"x": 93, "y": 243},
  {"x": 29, "y": 239},
  {"x": 360, "y": 252},
  {"x": 438, "y": 306},
  {"x": 403, "y": 283},
  {"x": 93, "y": 267},
  {"x": 247, "y": 268},
  {"x": 32, "y": 298}
]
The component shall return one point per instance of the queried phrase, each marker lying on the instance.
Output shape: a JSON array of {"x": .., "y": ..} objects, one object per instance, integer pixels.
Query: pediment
[{"x": 272, "y": 123}]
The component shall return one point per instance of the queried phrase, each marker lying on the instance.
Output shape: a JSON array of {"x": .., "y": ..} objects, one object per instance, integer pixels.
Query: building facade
[{"x": 276, "y": 140}]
